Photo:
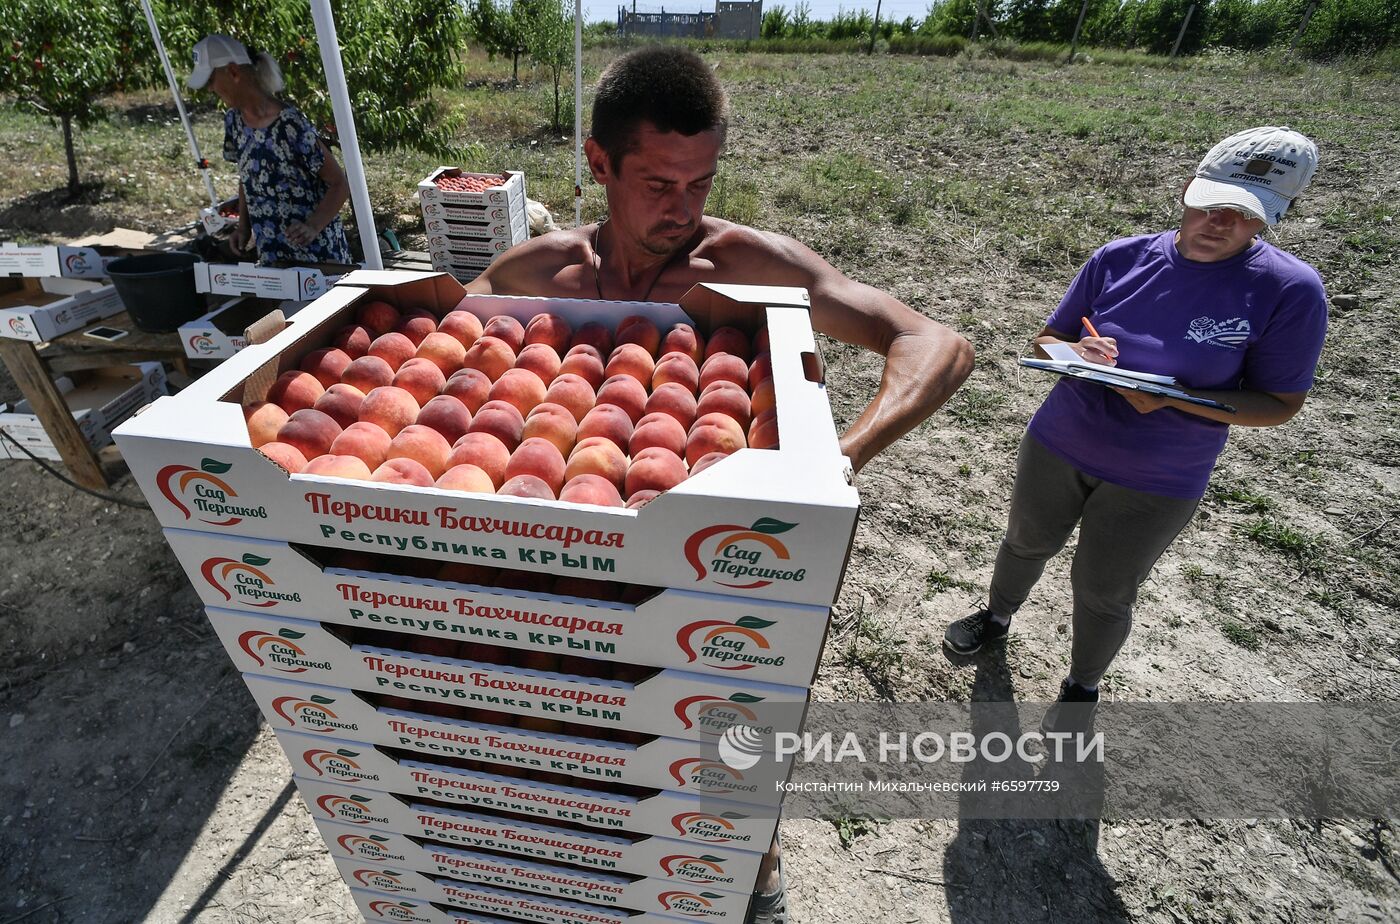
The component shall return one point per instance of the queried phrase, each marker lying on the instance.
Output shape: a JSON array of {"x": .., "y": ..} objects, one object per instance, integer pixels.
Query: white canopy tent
[{"x": 329, "y": 44}]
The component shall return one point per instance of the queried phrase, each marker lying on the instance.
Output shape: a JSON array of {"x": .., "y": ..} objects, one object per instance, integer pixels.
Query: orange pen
[{"x": 1093, "y": 333}]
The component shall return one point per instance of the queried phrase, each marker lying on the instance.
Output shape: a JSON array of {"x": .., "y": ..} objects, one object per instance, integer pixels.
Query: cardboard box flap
[{"x": 717, "y": 304}]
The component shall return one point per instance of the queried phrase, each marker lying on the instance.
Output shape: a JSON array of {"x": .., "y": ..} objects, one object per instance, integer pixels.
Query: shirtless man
[{"x": 659, "y": 122}]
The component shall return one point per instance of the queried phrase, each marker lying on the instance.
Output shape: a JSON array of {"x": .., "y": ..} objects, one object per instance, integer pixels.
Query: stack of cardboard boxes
[
  {"x": 474, "y": 743},
  {"x": 467, "y": 229}
]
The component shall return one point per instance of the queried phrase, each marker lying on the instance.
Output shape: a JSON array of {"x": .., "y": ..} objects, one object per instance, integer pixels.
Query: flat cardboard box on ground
[
  {"x": 706, "y": 633},
  {"x": 381, "y": 906},
  {"x": 99, "y": 399},
  {"x": 701, "y": 821},
  {"x": 297, "y": 283},
  {"x": 646, "y": 855},
  {"x": 78, "y": 261},
  {"x": 480, "y": 878},
  {"x": 42, "y": 316},
  {"x": 451, "y": 211},
  {"x": 691, "y": 767},
  {"x": 511, "y": 190},
  {"x": 769, "y": 523},
  {"x": 219, "y": 334}
]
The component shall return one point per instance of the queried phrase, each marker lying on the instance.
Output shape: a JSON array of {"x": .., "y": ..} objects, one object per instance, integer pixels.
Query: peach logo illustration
[
  {"x": 21, "y": 328},
  {"x": 311, "y": 286},
  {"x": 203, "y": 344},
  {"x": 387, "y": 910},
  {"x": 353, "y": 809},
  {"x": 710, "y": 775},
  {"x": 200, "y": 493},
  {"x": 278, "y": 651},
  {"x": 708, "y": 828},
  {"x": 77, "y": 264},
  {"x": 369, "y": 846},
  {"x": 704, "y": 869},
  {"x": 382, "y": 880},
  {"x": 245, "y": 578},
  {"x": 713, "y": 714},
  {"x": 221, "y": 278},
  {"x": 311, "y": 713},
  {"x": 690, "y": 904},
  {"x": 728, "y": 646},
  {"x": 748, "y": 557},
  {"x": 339, "y": 764}
]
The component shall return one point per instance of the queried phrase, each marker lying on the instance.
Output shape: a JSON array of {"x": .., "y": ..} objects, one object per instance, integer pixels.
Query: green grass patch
[
  {"x": 1304, "y": 550},
  {"x": 1240, "y": 634},
  {"x": 939, "y": 581}
]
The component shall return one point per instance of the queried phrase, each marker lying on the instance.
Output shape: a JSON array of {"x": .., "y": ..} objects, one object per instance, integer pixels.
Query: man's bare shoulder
[
  {"x": 747, "y": 254},
  {"x": 537, "y": 267}
]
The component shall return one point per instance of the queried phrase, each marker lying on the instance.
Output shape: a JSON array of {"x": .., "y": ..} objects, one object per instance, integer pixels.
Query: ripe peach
[
  {"x": 378, "y": 317},
  {"x": 389, "y": 407},
  {"x": 724, "y": 397},
  {"x": 600, "y": 456},
  {"x": 763, "y": 432},
  {"x": 641, "y": 331},
  {"x": 470, "y": 386},
  {"x": 656, "y": 470},
  {"x": 595, "y": 335},
  {"x": 421, "y": 379},
  {"x": 394, "y": 348},
  {"x": 327, "y": 365},
  {"x": 625, "y": 392},
  {"x": 309, "y": 430},
  {"x": 447, "y": 415},
  {"x": 526, "y": 486},
  {"x": 520, "y": 388},
  {"x": 505, "y": 328},
  {"x": 368, "y": 373},
  {"x": 483, "y": 450},
  {"x": 463, "y": 326},
  {"x": 587, "y": 349},
  {"x": 264, "y": 419},
  {"x": 590, "y": 489},
  {"x": 342, "y": 403},
  {"x": 584, "y": 365},
  {"x": 541, "y": 458},
  {"x": 571, "y": 392},
  {"x": 552, "y": 422},
  {"x": 423, "y": 445},
  {"x": 609, "y": 422},
  {"x": 289, "y": 457},
  {"x": 658, "y": 429},
  {"x": 541, "y": 359},
  {"x": 630, "y": 359},
  {"x": 550, "y": 330},
  {"x": 442, "y": 350},
  {"x": 501, "y": 420},
  {"x": 467, "y": 477},
  {"x": 724, "y": 367},
  {"x": 706, "y": 461},
  {"x": 686, "y": 340},
  {"x": 491, "y": 355},
  {"x": 295, "y": 390},
  {"x": 354, "y": 339},
  {"x": 760, "y": 370},
  {"x": 676, "y": 368},
  {"x": 338, "y": 467},
  {"x": 729, "y": 340},
  {"x": 760, "y": 340},
  {"x": 713, "y": 433},
  {"x": 764, "y": 398},
  {"x": 674, "y": 399},
  {"x": 366, "y": 441},
  {"x": 416, "y": 326},
  {"x": 403, "y": 471},
  {"x": 640, "y": 498}
]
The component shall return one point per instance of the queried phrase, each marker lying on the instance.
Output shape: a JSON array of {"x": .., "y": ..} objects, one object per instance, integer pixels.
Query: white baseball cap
[
  {"x": 214, "y": 51},
  {"x": 1259, "y": 171}
]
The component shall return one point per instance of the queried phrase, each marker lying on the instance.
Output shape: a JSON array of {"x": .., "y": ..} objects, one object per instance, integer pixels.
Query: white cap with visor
[
  {"x": 1259, "y": 171},
  {"x": 212, "y": 52}
]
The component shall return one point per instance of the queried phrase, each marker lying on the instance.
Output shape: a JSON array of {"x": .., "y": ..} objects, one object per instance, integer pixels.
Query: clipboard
[{"x": 1107, "y": 378}]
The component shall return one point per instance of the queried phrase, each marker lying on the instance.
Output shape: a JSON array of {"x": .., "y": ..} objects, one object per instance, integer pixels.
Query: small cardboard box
[
  {"x": 617, "y": 853},
  {"x": 99, "y": 400},
  {"x": 483, "y": 882},
  {"x": 219, "y": 334},
  {"x": 514, "y": 229},
  {"x": 723, "y": 636},
  {"x": 511, "y": 190},
  {"x": 692, "y": 767},
  {"x": 451, "y": 211},
  {"x": 450, "y": 247},
  {"x": 769, "y": 523},
  {"x": 697, "y": 820},
  {"x": 81, "y": 262},
  {"x": 673, "y": 703},
  {"x": 380, "y": 907},
  {"x": 296, "y": 283},
  {"x": 39, "y": 317}
]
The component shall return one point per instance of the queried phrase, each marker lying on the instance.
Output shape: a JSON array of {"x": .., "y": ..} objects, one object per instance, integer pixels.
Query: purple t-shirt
[{"x": 1255, "y": 321}]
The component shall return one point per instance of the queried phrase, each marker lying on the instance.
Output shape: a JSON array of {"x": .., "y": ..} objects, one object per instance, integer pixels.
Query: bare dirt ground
[{"x": 139, "y": 782}]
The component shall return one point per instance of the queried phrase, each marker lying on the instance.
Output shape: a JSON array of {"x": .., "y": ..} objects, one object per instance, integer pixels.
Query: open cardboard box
[
  {"x": 42, "y": 316},
  {"x": 723, "y": 636},
  {"x": 511, "y": 213},
  {"x": 685, "y": 766},
  {"x": 99, "y": 399},
  {"x": 87, "y": 261},
  {"x": 295, "y": 283},
  {"x": 220, "y": 333},
  {"x": 769, "y": 523},
  {"x": 697, "y": 820},
  {"x": 509, "y": 193},
  {"x": 514, "y": 229}
]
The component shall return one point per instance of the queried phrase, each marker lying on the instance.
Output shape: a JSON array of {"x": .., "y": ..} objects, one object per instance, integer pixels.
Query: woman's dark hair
[{"x": 670, "y": 87}]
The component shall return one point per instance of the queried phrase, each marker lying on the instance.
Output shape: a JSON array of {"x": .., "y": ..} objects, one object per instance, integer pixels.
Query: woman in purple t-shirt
[{"x": 1228, "y": 315}]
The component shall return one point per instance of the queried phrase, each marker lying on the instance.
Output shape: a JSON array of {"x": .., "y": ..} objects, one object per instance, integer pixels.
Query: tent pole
[
  {"x": 578, "y": 113},
  {"x": 345, "y": 126},
  {"x": 199, "y": 160}
]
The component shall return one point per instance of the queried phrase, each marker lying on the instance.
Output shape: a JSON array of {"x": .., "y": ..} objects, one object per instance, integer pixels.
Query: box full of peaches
[{"x": 686, "y": 446}]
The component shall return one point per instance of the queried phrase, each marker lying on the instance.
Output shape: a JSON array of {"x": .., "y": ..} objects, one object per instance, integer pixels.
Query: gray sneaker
[
  {"x": 967, "y": 635},
  {"x": 771, "y": 907}
]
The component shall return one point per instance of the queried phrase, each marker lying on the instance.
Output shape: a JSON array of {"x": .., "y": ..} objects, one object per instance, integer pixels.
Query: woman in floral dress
[{"x": 290, "y": 187}]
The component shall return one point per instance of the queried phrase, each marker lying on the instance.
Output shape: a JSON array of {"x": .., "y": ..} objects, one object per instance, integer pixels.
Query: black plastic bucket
[{"x": 158, "y": 289}]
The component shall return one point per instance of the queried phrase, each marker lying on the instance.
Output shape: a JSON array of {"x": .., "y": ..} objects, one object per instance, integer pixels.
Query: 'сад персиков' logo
[
  {"x": 742, "y": 557},
  {"x": 245, "y": 578},
  {"x": 200, "y": 494},
  {"x": 729, "y": 646}
]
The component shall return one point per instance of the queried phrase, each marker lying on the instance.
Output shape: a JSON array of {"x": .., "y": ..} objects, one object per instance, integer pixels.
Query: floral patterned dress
[{"x": 279, "y": 166}]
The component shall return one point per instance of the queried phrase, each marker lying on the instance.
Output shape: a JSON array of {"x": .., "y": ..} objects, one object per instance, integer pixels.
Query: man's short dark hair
[{"x": 672, "y": 88}]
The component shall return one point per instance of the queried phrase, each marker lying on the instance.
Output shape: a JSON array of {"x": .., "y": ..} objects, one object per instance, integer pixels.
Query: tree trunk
[
  {"x": 72, "y": 157},
  {"x": 557, "y": 74},
  {"x": 515, "y": 66}
]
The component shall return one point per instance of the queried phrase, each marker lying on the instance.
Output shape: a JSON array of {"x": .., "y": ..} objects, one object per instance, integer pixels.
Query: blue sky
[{"x": 595, "y": 10}]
